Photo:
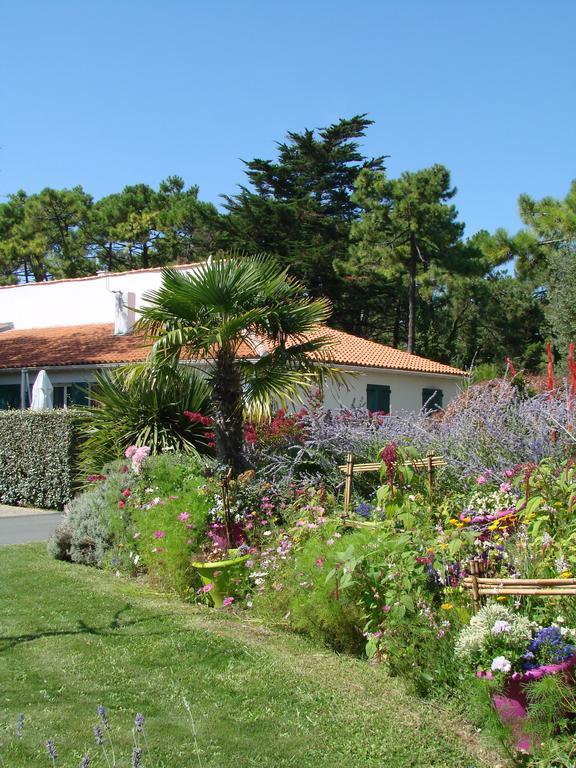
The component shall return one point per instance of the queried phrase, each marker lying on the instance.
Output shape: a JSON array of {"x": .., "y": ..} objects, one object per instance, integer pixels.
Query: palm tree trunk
[{"x": 227, "y": 399}]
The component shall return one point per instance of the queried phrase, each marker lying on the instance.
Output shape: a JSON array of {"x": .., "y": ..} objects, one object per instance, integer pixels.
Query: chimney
[{"x": 124, "y": 312}]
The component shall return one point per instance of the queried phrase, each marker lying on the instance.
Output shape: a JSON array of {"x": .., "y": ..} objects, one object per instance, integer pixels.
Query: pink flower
[
  {"x": 204, "y": 589},
  {"x": 312, "y": 525},
  {"x": 121, "y": 504},
  {"x": 227, "y": 601},
  {"x": 319, "y": 562},
  {"x": 386, "y": 608},
  {"x": 130, "y": 451},
  {"x": 505, "y": 487},
  {"x": 509, "y": 473},
  {"x": 183, "y": 516},
  {"x": 159, "y": 534},
  {"x": 377, "y": 635},
  {"x": 329, "y": 542},
  {"x": 189, "y": 542},
  {"x": 299, "y": 523},
  {"x": 126, "y": 493},
  {"x": 249, "y": 563},
  {"x": 481, "y": 479}
]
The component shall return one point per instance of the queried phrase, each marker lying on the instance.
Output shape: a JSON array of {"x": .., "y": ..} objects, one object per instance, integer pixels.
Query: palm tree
[{"x": 211, "y": 314}]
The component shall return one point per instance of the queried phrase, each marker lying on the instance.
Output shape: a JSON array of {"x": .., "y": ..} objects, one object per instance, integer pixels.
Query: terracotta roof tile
[
  {"x": 347, "y": 349},
  {"x": 96, "y": 345}
]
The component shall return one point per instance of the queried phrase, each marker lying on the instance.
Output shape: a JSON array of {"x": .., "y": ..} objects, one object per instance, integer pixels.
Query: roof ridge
[{"x": 100, "y": 274}]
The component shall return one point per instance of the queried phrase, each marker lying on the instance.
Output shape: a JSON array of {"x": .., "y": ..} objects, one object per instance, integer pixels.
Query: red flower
[{"x": 121, "y": 504}]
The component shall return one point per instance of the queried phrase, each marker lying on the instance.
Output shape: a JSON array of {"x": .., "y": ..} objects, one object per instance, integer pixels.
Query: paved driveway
[{"x": 21, "y": 526}]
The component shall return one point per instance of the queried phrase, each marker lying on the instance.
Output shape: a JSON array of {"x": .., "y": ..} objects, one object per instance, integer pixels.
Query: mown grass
[{"x": 72, "y": 638}]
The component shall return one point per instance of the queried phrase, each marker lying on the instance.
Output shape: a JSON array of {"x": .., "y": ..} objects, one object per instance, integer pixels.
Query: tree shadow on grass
[{"x": 82, "y": 627}]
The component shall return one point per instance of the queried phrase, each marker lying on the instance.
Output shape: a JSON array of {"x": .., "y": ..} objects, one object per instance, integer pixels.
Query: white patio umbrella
[{"x": 42, "y": 393}]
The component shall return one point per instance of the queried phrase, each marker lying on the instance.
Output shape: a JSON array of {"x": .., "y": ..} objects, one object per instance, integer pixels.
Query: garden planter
[
  {"x": 221, "y": 574},
  {"x": 512, "y": 703}
]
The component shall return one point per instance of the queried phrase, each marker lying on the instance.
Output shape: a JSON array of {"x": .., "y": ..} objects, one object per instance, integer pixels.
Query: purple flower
[
  {"x": 102, "y": 715},
  {"x": 136, "y": 757},
  {"x": 139, "y": 723},
  {"x": 98, "y": 735},
  {"x": 85, "y": 761},
  {"x": 51, "y": 749}
]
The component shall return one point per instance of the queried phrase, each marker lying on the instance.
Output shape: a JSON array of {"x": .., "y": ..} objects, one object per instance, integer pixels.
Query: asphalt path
[{"x": 23, "y": 528}]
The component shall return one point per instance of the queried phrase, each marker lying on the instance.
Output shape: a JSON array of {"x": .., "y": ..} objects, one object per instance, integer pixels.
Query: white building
[{"x": 71, "y": 328}]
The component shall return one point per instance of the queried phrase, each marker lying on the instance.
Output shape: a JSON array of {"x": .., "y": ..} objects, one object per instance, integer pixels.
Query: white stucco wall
[
  {"x": 73, "y": 302},
  {"x": 405, "y": 388}
]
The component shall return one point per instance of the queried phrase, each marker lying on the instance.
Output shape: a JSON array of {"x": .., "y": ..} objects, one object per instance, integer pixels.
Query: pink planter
[{"x": 512, "y": 703}]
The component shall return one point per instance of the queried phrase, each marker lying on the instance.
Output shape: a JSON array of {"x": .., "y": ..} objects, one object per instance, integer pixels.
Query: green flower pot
[{"x": 221, "y": 573}]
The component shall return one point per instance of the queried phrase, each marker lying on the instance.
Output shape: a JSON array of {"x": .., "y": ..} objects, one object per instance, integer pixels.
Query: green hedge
[{"x": 38, "y": 457}]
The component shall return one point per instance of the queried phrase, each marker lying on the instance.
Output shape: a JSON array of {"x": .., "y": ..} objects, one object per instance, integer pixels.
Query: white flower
[
  {"x": 501, "y": 664},
  {"x": 501, "y": 626}
]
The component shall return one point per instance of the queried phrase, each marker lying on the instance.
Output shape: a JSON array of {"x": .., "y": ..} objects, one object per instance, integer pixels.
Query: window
[
  {"x": 9, "y": 396},
  {"x": 432, "y": 399},
  {"x": 378, "y": 398},
  {"x": 67, "y": 395}
]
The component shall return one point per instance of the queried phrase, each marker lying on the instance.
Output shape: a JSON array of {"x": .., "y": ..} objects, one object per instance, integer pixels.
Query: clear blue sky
[{"x": 114, "y": 92}]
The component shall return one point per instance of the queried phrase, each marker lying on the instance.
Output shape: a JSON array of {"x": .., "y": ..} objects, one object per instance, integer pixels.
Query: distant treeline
[{"x": 389, "y": 253}]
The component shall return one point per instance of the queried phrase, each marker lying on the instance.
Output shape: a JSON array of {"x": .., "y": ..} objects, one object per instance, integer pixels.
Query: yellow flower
[
  {"x": 501, "y": 598},
  {"x": 566, "y": 574},
  {"x": 446, "y": 606},
  {"x": 454, "y": 521}
]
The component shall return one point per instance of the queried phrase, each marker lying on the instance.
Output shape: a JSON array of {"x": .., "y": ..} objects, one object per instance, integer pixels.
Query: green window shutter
[
  {"x": 378, "y": 398},
  {"x": 432, "y": 399},
  {"x": 9, "y": 396}
]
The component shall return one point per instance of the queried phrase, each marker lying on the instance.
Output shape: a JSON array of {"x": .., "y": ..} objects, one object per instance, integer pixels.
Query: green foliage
[
  {"x": 86, "y": 533},
  {"x": 165, "y": 523},
  {"x": 140, "y": 405},
  {"x": 38, "y": 457},
  {"x": 213, "y": 311},
  {"x": 408, "y": 233},
  {"x": 299, "y": 208}
]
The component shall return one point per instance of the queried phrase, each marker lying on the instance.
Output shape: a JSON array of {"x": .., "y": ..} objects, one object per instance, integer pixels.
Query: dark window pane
[
  {"x": 432, "y": 399},
  {"x": 378, "y": 398},
  {"x": 9, "y": 396},
  {"x": 78, "y": 394},
  {"x": 58, "y": 397}
]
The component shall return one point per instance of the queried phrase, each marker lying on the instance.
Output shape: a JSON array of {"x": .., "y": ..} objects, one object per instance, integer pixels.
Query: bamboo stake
[
  {"x": 430, "y": 475},
  {"x": 348, "y": 486},
  {"x": 521, "y": 582},
  {"x": 526, "y": 591}
]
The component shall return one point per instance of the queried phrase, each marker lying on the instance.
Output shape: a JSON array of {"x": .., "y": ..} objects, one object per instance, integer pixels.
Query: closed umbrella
[{"x": 42, "y": 393}]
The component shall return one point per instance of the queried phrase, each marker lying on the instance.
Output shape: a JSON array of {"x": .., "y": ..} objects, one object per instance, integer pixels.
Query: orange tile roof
[
  {"x": 346, "y": 349},
  {"x": 94, "y": 345}
]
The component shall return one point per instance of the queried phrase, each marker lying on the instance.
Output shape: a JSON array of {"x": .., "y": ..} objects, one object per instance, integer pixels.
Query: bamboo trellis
[
  {"x": 482, "y": 587},
  {"x": 350, "y": 469}
]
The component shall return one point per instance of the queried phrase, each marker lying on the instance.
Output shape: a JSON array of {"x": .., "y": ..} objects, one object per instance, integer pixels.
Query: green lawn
[{"x": 72, "y": 638}]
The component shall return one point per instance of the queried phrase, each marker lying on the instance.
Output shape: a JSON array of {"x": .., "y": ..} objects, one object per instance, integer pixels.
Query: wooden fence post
[
  {"x": 475, "y": 571},
  {"x": 348, "y": 485}
]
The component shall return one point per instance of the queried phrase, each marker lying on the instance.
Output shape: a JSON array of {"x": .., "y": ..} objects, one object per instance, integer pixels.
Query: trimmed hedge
[{"x": 38, "y": 457}]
